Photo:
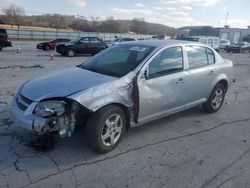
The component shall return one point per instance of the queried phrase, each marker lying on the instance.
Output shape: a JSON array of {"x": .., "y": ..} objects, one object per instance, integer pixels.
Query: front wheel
[
  {"x": 215, "y": 99},
  {"x": 47, "y": 48},
  {"x": 70, "y": 53},
  {"x": 105, "y": 128}
]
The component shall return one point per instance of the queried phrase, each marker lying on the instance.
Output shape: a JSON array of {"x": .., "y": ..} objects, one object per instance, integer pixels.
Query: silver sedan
[{"x": 124, "y": 86}]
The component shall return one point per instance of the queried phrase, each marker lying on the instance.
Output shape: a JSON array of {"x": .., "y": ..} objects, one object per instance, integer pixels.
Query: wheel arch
[
  {"x": 125, "y": 110},
  {"x": 224, "y": 82},
  {"x": 222, "y": 79}
]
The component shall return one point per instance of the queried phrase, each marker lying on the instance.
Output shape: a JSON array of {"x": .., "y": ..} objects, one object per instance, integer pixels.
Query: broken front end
[{"x": 48, "y": 116}]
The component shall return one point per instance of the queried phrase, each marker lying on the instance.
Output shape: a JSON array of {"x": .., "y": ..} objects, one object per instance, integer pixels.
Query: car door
[
  {"x": 164, "y": 87},
  {"x": 82, "y": 46},
  {"x": 201, "y": 72},
  {"x": 95, "y": 45}
]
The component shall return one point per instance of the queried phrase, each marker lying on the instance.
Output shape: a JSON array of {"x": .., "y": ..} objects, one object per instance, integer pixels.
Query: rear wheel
[
  {"x": 105, "y": 128},
  {"x": 70, "y": 53},
  {"x": 215, "y": 99}
]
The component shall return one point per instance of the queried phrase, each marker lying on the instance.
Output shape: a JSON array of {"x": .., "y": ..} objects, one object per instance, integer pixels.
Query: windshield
[
  {"x": 74, "y": 40},
  {"x": 118, "y": 60}
]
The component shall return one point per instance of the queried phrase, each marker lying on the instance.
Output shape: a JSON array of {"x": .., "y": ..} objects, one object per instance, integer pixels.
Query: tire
[
  {"x": 47, "y": 48},
  {"x": 105, "y": 128},
  {"x": 215, "y": 99},
  {"x": 70, "y": 53}
]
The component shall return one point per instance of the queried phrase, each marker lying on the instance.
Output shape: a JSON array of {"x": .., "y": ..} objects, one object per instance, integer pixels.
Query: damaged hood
[{"x": 63, "y": 83}]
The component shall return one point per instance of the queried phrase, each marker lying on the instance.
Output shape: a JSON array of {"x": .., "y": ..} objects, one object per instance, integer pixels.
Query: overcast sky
[{"x": 174, "y": 13}]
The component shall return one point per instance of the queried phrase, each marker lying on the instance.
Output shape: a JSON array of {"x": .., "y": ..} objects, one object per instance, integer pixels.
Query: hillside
[{"x": 94, "y": 24}]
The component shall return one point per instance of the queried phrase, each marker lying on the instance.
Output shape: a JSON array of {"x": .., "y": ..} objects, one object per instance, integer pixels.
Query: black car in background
[
  {"x": 239, "y": 47},
  {"x": 84, "y": 45},
  {"x": 51, "y": 45},
  {"x": 4, "y": 39}
]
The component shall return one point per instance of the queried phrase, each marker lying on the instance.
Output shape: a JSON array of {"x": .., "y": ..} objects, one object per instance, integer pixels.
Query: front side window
[
  {"x": 203, "y": 41},
  {"x": 199, "y": 56},
  {"x": 84, "y": 40},
  {"x": 167, "y": 62}
]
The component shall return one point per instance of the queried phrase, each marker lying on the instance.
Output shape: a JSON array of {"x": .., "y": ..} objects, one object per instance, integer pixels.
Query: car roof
[{"x": 163, "y": 43}]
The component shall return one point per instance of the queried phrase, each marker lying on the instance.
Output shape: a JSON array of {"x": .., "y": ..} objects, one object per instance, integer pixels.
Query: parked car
[
  {"x": 122, "y": 87},
  {"x": 84, "y": 45},
  {"x": 51, "y": 45},
  {"x": 239, "y": 47},
  {"x": 4, "y": 39},
  {"x": 224, "y": 44},
  {"x": 214, "y": 42},
  {"x": 159, "y": 37},
  {"x": 120, "y": 40}
]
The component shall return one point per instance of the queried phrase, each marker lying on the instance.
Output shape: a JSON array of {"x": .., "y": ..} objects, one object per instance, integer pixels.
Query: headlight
[{"x": 49, "y": 108}]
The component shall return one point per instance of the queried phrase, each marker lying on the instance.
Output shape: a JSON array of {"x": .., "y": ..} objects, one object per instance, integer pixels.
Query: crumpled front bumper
[{"x": 26, "y": 119}]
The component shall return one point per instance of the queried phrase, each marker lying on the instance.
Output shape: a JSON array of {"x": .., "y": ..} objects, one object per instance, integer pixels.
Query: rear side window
[
  {"x": 203, "y": 41},
  {"x": 210, "y": 41},
  {"x": 94, "y": 40},
  {"x": 84, "y": 40},
  {"x": 216, "y": 41},
  {"x": 199, "y": 56}
]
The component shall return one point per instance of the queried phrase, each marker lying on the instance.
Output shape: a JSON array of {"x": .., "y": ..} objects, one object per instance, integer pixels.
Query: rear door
[
  {"x": 201, "y": 71},
  {"x": 95, "y": 45},
  {"x": 82, "y": 46}
]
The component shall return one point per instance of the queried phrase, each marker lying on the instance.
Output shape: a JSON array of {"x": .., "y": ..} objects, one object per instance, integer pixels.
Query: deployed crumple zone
[{"x": 121, "y": 87}]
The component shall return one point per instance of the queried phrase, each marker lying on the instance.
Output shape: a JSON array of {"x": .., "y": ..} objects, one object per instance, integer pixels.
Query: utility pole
[
  {"x": 226, "y": 18},
  {"x": 78, "y": 23}
]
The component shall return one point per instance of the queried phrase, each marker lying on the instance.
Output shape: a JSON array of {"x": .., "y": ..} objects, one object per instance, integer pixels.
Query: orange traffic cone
[{"x": 52, "y": 58}]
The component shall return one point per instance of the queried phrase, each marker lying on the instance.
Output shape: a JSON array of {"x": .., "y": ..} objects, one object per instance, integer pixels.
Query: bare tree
[
  {"x": 138, "y": 25},
  {"x": 57, "y": 21},
  {"x": 14, "y": 15},
  {"x": 110, "y": 25},
  {"x": 94, "y": 23}
]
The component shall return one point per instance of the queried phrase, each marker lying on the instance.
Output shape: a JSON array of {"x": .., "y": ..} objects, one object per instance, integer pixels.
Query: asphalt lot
[{"x": 189, "y": 149}]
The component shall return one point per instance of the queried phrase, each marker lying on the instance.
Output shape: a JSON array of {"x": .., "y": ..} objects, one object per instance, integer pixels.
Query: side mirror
[{"x": 145, "y": 75}]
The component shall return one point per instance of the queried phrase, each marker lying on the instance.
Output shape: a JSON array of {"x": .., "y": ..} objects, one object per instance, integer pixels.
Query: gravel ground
[{"x": 189, "y": 149}]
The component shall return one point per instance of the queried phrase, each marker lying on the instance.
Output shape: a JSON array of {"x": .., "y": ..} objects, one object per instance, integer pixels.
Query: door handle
[
  {"x": 181, "y": 81},
  {"x": 212, "y": 72}
]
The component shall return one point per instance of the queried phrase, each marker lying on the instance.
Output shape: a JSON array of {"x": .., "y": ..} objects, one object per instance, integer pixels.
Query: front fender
[{"x": 118, "y": 91}]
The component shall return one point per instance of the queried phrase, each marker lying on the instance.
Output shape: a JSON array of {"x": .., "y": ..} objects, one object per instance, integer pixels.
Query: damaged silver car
[{"x": 121, "y": 87}]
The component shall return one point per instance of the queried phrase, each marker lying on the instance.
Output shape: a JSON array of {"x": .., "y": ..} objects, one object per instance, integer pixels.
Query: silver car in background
[
  {"x": 124, "y": 86},
  {"x": 120, "y": 40}
]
